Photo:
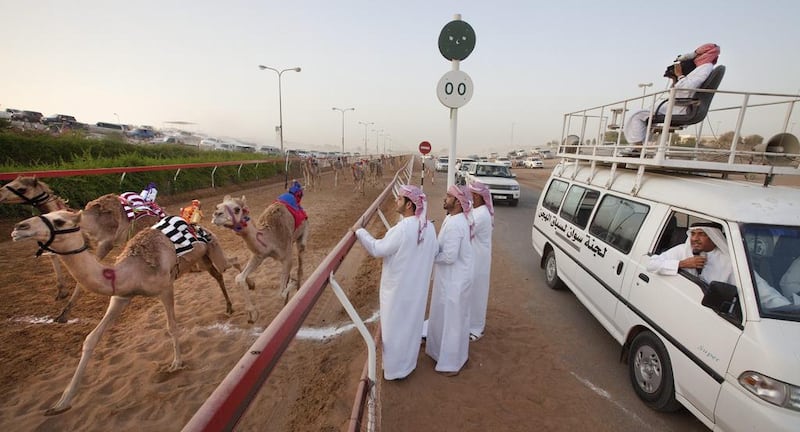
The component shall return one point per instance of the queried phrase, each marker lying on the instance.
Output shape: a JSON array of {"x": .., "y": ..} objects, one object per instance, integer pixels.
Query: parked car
[
  {"x": 441, "y": 163},
  {"x": 114, "y": 126},
  {"x": 497, "y": 176},
  {"x": 504, "y": 160},
  {"x": 142, "y": 134},
  {"x": 27, "y": 116},
  {"x": 533, "y": 162},
  {"x": 58, "y": 118}
]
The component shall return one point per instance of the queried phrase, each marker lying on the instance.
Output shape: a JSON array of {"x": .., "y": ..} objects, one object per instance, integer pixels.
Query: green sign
[{"x": 457, "y": 40}]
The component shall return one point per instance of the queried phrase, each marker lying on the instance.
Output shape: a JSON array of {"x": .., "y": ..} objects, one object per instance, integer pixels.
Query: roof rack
[{"x": 666, "y": 151}]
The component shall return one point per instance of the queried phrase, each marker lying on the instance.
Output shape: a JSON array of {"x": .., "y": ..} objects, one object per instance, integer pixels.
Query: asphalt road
[{"x": 586, "y": 349}]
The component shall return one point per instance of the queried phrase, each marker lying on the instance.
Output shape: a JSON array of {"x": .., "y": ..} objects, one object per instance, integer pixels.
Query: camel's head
[
  {"x": 232, "y": 213},
  {"x": 44, "y": 228},
  {"x": 24, "y": 190}
]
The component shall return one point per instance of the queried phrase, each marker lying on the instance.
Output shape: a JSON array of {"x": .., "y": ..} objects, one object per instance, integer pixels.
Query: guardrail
[
  {"x": 124, "y": 170},
  {"x": 229, "y": 401}
]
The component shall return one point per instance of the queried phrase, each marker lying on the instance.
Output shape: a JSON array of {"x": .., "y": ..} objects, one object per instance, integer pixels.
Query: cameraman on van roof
[{"x": 699, "y": 255}]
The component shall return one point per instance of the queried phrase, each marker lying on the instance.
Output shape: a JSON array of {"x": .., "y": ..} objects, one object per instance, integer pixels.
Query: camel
[
  {"x": 29, "y": 190},
  {"x": 311, "y": 173},
  {"x": 375, "y": 172},
  {"x": 272, "y": 236},
  {"x": 338, "y": 167},
  {"x": 105, "y": 222},
  {"x": 358, "y": 177},
  {"x": 147, "y": 266}
]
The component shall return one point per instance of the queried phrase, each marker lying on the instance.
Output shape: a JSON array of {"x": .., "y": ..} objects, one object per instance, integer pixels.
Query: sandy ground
[
  {"x": 311, "y": 389},
  {"x": 512, "y": 382}
]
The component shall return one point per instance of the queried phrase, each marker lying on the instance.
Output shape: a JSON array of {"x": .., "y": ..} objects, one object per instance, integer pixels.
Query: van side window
[
  {"x": 617, "y": 222},
  {"x": 674, "y": 232},
  {"x": 578, "y": 205},
  {"x": 555, "y": 193}
]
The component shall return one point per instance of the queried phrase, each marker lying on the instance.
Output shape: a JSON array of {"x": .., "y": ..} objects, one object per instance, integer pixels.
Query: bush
[{"x": 35, "y": 151}]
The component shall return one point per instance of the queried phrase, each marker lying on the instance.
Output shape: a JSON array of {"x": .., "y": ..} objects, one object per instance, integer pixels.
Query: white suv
[
  {"x": 501, "y": 182},
  {"x": 533, "y": 162},
  {"x": 441, "y": 163}
]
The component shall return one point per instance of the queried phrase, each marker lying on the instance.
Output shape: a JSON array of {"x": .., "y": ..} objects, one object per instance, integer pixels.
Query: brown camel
[
  {"x": 272, "y": 236},
  {"x": 311, "y": 173},
  {"x": 29, "y": 190},
  {"x": 104, "y": 221},
  {"x": 338, "y": 166},
  {"x": 147, "y": 266},
  {"x": 358, "y": 177}
]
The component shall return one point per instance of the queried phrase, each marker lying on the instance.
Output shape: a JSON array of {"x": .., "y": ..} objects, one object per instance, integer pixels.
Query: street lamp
[
  {"x": 385, "y": 137},
  {"x": 644, "y": 87},
  {"x": 343, "y": 111},
  {"x": 119, "y": 122},
  {"x": 377, "y": 149},
  {"x": 366, "y": 124},
  {"x": 280, "y": 103}
]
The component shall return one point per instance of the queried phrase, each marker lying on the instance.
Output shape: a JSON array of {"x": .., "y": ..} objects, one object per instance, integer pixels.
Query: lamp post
[
  {"x": 118, "y": 120},
  {"x": 377, "y": 149},
  {"x": 366, "y": 124},
  {"x": 280, "y": 103},
  {"x": 385, "y": 137},
  {"x": 343, "y": 110},
  {"x": 644, "y": 87}
]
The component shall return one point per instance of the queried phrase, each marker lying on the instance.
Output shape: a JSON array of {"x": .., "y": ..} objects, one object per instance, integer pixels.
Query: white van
[{"x": 728, "y": 353}]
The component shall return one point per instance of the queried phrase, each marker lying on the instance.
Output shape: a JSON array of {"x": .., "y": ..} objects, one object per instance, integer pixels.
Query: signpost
[
  {"x": 456, "y": 42},
  {"x": 424, "y": 148}
]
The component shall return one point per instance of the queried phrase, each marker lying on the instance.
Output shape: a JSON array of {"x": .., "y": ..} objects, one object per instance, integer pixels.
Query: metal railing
[
  {"x": 227, "y": 404},
  {"x": 585, "y": 133}
]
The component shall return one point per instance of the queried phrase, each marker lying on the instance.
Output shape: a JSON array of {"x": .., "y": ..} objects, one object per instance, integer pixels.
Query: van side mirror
[{"x": 723, "y": 298}]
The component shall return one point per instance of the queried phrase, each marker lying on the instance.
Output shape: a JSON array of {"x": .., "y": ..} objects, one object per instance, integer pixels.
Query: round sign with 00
[{"x": 454, "y": 89}]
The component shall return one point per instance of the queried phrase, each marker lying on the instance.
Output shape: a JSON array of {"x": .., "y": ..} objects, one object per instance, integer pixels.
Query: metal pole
[
  {"x": 366, "y": 124},
  {"x": 342, "y": 110},
  {"x": 377, "y": 143},
  {"x": 280, "y": 111},
  {"x": 644, "y": 87}
]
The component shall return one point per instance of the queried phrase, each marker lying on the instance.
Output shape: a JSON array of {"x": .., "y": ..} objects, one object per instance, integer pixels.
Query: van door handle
[
  {"x": 619, "y": 268},
  {"x": 644, "y": 277}
]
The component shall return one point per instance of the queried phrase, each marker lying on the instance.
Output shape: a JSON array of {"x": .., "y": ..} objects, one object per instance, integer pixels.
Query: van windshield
[{"x": 774, "y": 255}]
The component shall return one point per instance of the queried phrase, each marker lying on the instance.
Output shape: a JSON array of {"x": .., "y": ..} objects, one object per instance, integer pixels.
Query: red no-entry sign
[{"x": 424, "y": 147}]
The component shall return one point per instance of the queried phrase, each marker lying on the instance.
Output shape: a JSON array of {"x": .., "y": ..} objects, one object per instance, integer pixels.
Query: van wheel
[
  {"x": 650, "y": 372},
  {"x": 514, "y": 202},
  {"x": 551, "y": 271}
]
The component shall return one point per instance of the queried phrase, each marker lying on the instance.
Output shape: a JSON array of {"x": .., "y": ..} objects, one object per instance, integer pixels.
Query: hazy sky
[{"x": 152, "y": 62}]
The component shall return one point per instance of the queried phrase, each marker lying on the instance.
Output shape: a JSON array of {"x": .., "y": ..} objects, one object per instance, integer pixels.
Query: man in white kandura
[
  {"x": 407, "y": 249},
  {"x": 483, "y": 214},
  {"x": 448, "y": 322}
]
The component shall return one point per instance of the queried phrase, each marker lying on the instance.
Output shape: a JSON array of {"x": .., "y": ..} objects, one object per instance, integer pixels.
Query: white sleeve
[
  {"x": 790, "y": 281},
  {"x": 667, "y": 262},
  {"x": 449, "y": 245},
  {"x": 384, "y": 247}
]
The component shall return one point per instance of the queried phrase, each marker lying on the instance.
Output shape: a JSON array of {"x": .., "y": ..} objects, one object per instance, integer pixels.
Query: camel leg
[
  {"x": 63, "y": 317},
  {"x": 242, "y": 280},
  {"x": 115, "y": 307},
  {"x": 216, "y": 274},
  {"x": 218, "y": 258},
  {"x": 168, "y": 300},
  {"x": 287, "y": 270},
  {"x": 61, "y": 283}
]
